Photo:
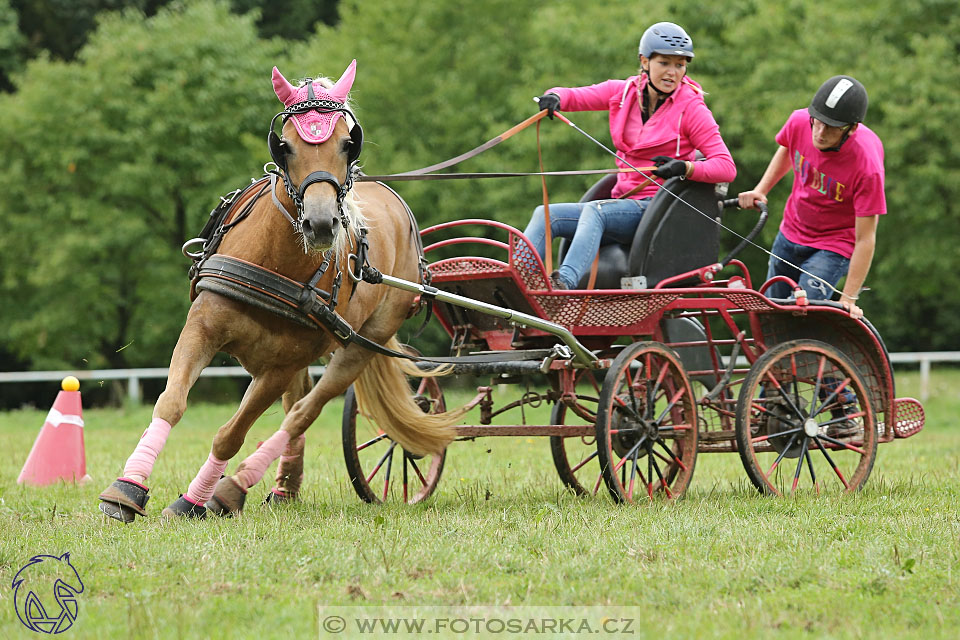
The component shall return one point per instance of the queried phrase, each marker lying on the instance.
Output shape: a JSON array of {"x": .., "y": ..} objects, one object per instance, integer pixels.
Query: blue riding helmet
[{"x": 666, "y": 38}]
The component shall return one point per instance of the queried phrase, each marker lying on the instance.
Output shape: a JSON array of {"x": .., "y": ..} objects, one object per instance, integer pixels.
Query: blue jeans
[
  {"x": 822, "y": 263},
  {"x": 590, "y": 225}
]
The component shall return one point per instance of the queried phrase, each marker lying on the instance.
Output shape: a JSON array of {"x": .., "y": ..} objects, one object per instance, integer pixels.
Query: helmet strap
[{"x": 662, "y": 94}]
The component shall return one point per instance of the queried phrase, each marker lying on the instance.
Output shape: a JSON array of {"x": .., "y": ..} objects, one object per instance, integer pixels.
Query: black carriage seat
[{"x": 672, "y": 238}]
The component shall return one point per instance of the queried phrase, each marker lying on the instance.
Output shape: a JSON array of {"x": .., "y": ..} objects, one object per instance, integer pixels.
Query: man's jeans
[
  {"x": 590, "y": 224},
  {"x": 822, "y": 263}
]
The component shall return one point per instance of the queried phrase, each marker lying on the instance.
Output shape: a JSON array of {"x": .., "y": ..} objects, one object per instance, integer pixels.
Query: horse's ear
[
  {"x": 343, "y": 85},
  {"x": 65, "y": 557},
  {"x": 284, "y": 89}
]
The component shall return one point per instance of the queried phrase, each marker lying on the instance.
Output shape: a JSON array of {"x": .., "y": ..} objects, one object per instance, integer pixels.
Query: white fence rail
[{"x": 133, "y": 376}]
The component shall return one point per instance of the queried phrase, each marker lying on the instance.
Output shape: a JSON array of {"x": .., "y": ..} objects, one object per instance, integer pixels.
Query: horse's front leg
[
  {"x": 198, "y": 343},
  {"x": 263, "y": 391}
]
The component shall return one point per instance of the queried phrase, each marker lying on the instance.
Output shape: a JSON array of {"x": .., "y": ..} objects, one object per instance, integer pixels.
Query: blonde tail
[{"x": 385, "y": 397}]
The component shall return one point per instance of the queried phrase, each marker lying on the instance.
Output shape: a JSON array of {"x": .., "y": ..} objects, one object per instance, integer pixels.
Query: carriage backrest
[{"x": 672, "y": 237}]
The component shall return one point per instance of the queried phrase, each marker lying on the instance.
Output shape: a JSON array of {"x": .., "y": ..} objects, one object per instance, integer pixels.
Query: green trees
[
  {"x": 115, "y": 158},
  {"x": 113, "y": 161}
]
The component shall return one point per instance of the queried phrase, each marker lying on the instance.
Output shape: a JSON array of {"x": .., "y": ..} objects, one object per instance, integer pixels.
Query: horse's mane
[{"x": 351, "y": 203}]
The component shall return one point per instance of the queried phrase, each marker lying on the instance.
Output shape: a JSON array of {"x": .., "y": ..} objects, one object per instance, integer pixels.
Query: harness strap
[
  {"x": 281, "y": 290},
  {"x": 276, "y": 200}
]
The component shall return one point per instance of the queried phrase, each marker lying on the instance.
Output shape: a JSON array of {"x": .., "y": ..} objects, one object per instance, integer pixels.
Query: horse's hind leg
[
  {"x": 127, "y": 496},
  {"x": 264, "y": 389},
  {"x": 290, "y": 469}
]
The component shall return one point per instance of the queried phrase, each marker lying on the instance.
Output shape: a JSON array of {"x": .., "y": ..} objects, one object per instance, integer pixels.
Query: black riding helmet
[{"x": 839, "y": 102}]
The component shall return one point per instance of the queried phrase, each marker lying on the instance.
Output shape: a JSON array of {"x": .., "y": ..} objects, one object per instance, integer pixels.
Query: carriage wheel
[
  {"x": 381, "y": 470},
  {"x": 575, "y": 457},
  {"x": 647, "y": 424},
  {"x": 805, "y": 421}
]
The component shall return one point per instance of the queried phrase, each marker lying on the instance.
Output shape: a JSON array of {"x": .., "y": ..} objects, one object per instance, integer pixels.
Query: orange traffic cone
[{"x": 58, "y": 453}]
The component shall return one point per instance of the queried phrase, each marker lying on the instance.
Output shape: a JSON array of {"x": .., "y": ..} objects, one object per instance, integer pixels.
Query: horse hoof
[
  {"x": 277, "y": 497},
  {"x": 183, "y": 508},
  {"x": 124, "y": 500},
  {"x": 228, "y": 497}
]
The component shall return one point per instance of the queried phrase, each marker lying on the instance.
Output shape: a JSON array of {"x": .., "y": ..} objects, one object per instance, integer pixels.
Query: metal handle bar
[
  {"x": 579, "y": 352},
  {"x": 733, "y": 202}
]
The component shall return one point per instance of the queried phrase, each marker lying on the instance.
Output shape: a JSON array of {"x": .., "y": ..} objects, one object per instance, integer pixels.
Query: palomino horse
[{"x": 269, "y": 249}]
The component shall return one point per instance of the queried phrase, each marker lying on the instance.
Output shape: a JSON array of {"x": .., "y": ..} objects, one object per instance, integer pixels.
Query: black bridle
[{"x": 279, "y": 150}]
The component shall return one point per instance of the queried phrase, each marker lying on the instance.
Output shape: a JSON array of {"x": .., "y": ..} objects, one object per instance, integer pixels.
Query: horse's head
[{"x": 316, "y": 154}]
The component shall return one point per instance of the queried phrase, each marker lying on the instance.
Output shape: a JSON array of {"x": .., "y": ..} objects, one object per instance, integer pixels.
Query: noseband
[{"x": 279, "y": 150}]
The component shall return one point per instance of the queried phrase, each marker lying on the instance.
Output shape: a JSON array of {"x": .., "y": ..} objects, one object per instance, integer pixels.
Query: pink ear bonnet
[{"x": 314, "y": 126}]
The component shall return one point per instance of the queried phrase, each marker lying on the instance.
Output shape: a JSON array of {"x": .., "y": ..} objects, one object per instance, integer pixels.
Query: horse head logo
[{"x": 36, "y": 580}]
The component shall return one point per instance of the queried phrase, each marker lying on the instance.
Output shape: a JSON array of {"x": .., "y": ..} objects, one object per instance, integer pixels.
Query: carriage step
[{"x": 910, "y": 417}]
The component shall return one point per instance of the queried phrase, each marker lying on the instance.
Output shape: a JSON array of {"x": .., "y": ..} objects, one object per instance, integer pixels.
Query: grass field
[{"x": 722, "y": 563}]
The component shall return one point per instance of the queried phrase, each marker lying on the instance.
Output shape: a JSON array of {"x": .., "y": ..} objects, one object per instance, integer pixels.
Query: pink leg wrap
[
  {"x": 252, "y": 469},
  {"x": 140, "y": 463},
  {"x": 201, "y": 489}
]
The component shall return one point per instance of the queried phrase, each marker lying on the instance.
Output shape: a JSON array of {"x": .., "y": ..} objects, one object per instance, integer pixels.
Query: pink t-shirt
[{"x": 831, "y": 188}]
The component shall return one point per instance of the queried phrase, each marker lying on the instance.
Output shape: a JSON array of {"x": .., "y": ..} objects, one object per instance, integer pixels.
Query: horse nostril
[{"x": 306, "y": 227}]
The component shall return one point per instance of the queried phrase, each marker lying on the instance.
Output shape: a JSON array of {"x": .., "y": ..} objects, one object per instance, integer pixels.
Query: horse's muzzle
[{"x": 319, "y": 231}]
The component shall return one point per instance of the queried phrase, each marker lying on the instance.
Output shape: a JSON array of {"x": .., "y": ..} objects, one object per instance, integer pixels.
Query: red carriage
[{"x": 674, "y": 355}]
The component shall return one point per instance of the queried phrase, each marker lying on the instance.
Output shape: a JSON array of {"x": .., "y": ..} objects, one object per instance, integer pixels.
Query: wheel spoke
[
  {"x": 673, "y": 401},
  {"x": 786, "y": 396},
  {"x": 406, "y": 461},
  {"x": 796, "y": 377},
  {"x": 632, "y": 411},
  {"x": 776, "y": 435},
  {"x": 672, "y": 455},
  {"x": 381, "y": 461},
  {"x": 633, "y": 476},
  {"x": 663, "y": 483},
  {"x": 844, "y": 445},
  {"x": 413, "y": 463},
  {"x": 655, "y": 390},
  {"x": 813, "y": 475},
  {"x": 785, "y": 419},
  {"x": 782, "y": 454},
  {"x": 819, "y": 382},
  {"x": 371, "y": 442},
  {"x": 830, "y": 461},
  {"x": 386, "y": 475},
  {"x": 830, "y": 398},
  {"x": 629, "y": 453},
  {"x": 796, "y": 474},
  {"x": 585, "y": 461}
]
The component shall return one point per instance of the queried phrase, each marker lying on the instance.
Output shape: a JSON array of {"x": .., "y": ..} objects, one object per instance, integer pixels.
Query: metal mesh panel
[
  {"x": 750, "y": 302},
  {"x": 608, "y": 310},
  {"x": 466, "y": 266},
  {"x": 526, "y": 263}
]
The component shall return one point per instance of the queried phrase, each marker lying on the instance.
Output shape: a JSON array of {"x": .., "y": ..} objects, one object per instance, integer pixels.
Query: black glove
[
  {"x": 550, "y": 102},
  {"x": 668, "y": 167}
]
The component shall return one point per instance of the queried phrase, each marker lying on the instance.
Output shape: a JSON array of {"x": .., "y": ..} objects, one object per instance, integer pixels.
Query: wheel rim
[
  {"x": 576, "y": 457},
  {"x": 805, "y": 421},
  {"x": 647, "y": 425},
  {"x": 380, "y": 470}
]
